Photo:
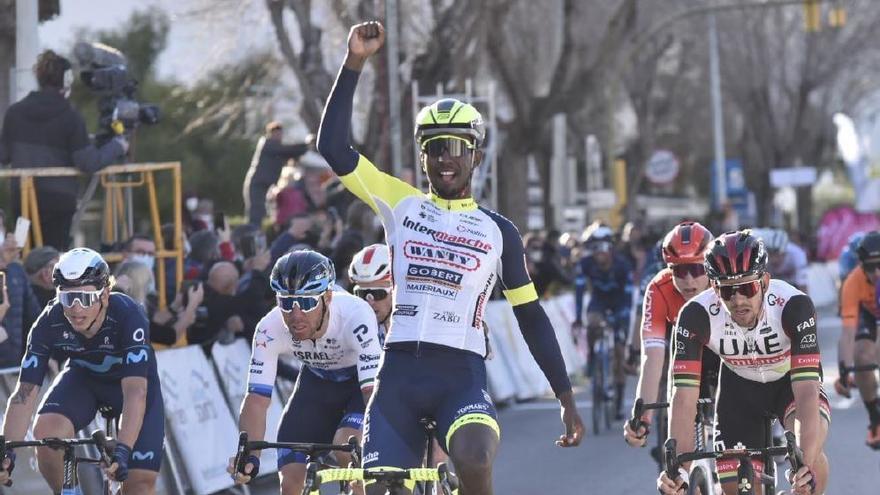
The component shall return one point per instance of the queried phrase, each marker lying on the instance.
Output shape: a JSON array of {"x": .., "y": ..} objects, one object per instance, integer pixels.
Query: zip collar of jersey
[{"x": 463, "y": 204}]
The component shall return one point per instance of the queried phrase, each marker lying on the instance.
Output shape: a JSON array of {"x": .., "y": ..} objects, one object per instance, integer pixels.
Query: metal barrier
[{"x": 114, "y": 209}]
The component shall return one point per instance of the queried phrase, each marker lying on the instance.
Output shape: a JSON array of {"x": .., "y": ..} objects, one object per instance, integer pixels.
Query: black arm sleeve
[
  {"x": 333, "y": 135},
  {"x": 539, "y": 336}
]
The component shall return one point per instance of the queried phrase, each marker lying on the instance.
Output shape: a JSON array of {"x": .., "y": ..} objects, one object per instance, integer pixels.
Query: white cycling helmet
[
  {"x": 79, "y": 267},
  {"x": 775, "y": 240},
  {"x": 371, "y": 264}
]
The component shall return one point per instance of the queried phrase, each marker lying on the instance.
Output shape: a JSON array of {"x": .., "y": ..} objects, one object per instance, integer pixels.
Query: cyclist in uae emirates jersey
[
  {"x": 683, "y": 278},
  {"x": 764, "y": 331},
  {"x": 334, "y": 335},
  {"x": 447, "y": 254}
]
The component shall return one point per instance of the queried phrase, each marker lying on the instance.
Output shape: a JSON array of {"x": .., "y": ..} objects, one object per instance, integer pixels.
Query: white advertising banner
[
  {"x": 232, "y": 363},
  {"x": 201, "y": 424}
]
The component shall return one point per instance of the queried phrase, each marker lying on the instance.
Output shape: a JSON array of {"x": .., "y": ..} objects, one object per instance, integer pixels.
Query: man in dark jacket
[
  {"x": 269, "y": 157},
  {"x": 44, "y": 130}
]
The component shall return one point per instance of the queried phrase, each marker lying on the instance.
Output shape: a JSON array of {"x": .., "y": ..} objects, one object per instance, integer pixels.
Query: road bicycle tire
[
  {"x": 598, "y": 387},
  {"x": 700, "y": 483}
]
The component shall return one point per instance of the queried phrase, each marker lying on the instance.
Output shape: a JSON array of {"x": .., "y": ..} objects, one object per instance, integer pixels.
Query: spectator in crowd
[
  {"x": 300, "y": 230},
  {"x": 39, "y": 264},
  {"x": 543, "y": 264},
  {"x": 253, "y": 286},
  {"x": 358, "y": 231},
  {"x": 224, "y": 320},
  {"x": 44, "y": 130},
  {"x": 203, "y": 215},
  {"x": 19, "y": 308},
  {"x": 269, "y": 156},
  {"x": 142, "y": 248},
  {"x": 167, "y": 326},
  {"x": 206, "y": 247}
]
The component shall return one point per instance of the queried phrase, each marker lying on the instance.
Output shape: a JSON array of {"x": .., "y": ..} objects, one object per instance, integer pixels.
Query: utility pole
[
  {"x": 391, "y": 23},
  {"x": 27, "y": 44},
  {"x": 717, "y": 116}
]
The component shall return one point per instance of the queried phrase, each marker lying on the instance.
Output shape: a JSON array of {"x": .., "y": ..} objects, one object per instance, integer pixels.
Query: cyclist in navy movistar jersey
[
  {"x": 609, "y": 278},
  {"x": 447, "y": 254},
  {"x": 334, "y": 335},
  {"x": 111, "y": 363}
]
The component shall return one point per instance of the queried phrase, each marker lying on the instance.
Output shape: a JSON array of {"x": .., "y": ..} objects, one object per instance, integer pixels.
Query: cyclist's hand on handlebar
[
  {"x": 8, "y": 466},
  {"x": 639, "y": 437},
  {"x": 844, "y": 388},
  {"x": 668, "y": 486},
  {"x": 802, "y": 482},
  {"x": 118, "y": 470},
  {"x": 251, "y": 468}
]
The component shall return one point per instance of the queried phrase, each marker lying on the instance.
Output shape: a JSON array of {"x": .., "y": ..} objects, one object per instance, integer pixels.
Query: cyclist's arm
[
  {"x": 533, "y": 321},
  {"x": 22, "y": 403},
  {"x": 261, "y": 378},
  {"x": 355, "y": 171},
  {"x": 849, "y": 315},
  {"x": 691, "y": 333},
  {"x": 364, "y": 340},
  {"x": 799, "y": 323},
  {"x": 136, "y": 367},
  {"x": 580, "y": 286},
  {"x": 653, "y": 334}
]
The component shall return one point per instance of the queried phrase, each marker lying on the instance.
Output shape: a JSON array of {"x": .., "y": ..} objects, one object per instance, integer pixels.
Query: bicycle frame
[{"x": 70, "y": 481}]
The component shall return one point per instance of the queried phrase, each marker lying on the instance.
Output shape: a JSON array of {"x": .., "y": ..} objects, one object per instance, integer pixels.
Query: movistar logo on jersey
[
  {"x": 133, "y": 357},
  {"x": 447, "y": 238},
  {"x": 428, "y": 252},
  {"x": 30, "y": 362},
  {"x": 142, "y": 456},
  {"x": 104, "y": 367}
]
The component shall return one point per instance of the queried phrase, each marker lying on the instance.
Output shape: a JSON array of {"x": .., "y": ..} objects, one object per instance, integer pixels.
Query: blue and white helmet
[
  {"x": 80, "y": 267},
  {"x": 302, "y": 273}
]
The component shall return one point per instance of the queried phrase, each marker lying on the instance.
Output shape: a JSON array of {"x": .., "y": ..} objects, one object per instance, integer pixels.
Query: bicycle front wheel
[
  {"x": 599, "y": 399},
  {"x": 699, "y": 482}
]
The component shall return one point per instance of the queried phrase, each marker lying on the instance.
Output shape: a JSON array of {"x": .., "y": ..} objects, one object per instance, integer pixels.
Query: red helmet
[
  {"x": 736, "y": 255},
  {"x": 686, "y": 243}
]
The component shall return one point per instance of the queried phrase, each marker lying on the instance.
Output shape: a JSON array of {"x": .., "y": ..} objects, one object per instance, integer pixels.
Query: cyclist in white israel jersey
[
  {"x": 334, "y": 335},
  {"x": 447, "y": 254}
]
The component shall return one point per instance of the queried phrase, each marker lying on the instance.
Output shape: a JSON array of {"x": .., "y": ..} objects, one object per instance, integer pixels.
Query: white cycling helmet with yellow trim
[
  {"x": 450, "y": 117},
  {"x": 371, "y": 264}
]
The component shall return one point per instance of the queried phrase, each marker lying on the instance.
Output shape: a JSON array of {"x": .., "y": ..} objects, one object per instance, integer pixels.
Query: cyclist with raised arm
[
  {"x": 858, "y": 340},
  {"x": 447, "y": 254},
  {"x": 683, "y": 278},
  {"x": 105, "y": 339},
  {"x": 334, "y": 335},
  {"x": 764, "y": 331},
  {"x": 608, "y": 277}
]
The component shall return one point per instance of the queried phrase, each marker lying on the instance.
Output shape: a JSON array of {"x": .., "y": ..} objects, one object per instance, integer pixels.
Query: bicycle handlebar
[
  {"x": 98, "y": 439},
  {"x": 639, "y": 408},
  {"x": 245, "y": 447},
  {"x": 791, "y": 451},
  {"x": 315, "y": 478}
]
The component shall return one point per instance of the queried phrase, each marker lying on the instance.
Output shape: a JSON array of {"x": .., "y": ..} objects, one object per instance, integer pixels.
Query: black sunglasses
[
  {"x": 372, "y": 294},
  {"x": 694, "y": 269},
  {"x": 748, "y": 289},
  {"x": 455, "y": 147}
]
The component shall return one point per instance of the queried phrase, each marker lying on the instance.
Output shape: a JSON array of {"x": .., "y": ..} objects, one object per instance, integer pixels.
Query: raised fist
[{"x": 365, "y": 39}]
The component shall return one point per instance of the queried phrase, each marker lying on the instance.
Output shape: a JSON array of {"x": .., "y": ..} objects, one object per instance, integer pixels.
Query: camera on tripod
[{"x": 104, "y": 70}]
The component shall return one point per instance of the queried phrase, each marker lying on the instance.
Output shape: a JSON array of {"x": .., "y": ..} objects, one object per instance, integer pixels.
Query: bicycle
[
  {"x": 317, "y": 451},
  {"x": 745, "y": 472},
  {"x": 395, "y": 480},
  {"x": 70, "y": 484},
  {"x": 635, "y": 422},
  {"x": 599, "y": 370}
]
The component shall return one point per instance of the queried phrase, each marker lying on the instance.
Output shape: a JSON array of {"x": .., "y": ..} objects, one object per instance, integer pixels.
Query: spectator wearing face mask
[
  {"x": 39, "y": 264},
  {"x": 140, "y": 248}
]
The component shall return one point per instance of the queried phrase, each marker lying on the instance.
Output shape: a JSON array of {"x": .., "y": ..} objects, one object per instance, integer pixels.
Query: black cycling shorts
[
  {"x": 867, "y": 326},
  {"x": 741, "y": 411}
]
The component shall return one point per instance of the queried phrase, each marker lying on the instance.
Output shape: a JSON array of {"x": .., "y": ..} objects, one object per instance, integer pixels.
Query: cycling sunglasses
[
  {"x": 306, "y": 304},
  {"x": 694, "y": 269},
  {"x": 372, "y": 293},
  {"x": 454, "y": 146},
  {"x": 85, "y": 298},
  {"x": 747, "y": 289}
]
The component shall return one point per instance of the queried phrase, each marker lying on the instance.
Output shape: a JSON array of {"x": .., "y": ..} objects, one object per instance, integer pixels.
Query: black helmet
[
  {"x": 735, "y": 255},
  {"x": 79, "y": 267},
  {"x": 302, "y": 273},
  {"x": 869, "y": 247}
]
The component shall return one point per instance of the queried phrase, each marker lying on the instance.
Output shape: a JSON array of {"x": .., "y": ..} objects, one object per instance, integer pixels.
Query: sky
[{"x": 204, "y": 33}]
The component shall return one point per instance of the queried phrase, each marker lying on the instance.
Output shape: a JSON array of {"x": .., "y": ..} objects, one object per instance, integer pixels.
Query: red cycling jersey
[{"x": 660, "y": 309}]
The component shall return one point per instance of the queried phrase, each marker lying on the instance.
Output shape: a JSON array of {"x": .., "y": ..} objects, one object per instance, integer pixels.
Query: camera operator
[{"x": 44, "y": 130}]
